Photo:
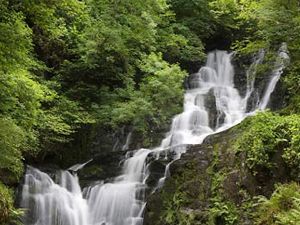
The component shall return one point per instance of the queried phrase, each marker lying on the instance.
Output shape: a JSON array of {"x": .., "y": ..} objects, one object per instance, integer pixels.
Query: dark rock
[
  {"x": 103, "y": 167},
  {"x": 210, "y": 104},
  {"x": 93, "y": 141},
  {"x": 157, "y": 170},
  {"x": 241, "y": 64},
  {"x": 195, "y": 183},
  {"x": 278, "y": 98}
]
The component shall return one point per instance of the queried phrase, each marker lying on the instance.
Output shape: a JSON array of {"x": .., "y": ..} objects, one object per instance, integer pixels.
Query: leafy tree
[
  {"x": 31, "y": 109},
  {"x": 56, "y": 26},
  {"x": 20, "y": 94},
  {"x": 8, "y": 214},
  {"x": 12, "y": 141},
  {"x": 151, "y": 107}
]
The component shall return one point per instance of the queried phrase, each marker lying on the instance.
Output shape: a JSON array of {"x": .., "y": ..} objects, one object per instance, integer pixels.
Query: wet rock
[
  {"x": 278, "y": 98},
  {"x": 195, "y": 183},
  {"x": 157, "y": 170},
  {"x": 103, "y": 167},
  {"x": 210, "y": 104},
  {"x": 241, "y": 63}
]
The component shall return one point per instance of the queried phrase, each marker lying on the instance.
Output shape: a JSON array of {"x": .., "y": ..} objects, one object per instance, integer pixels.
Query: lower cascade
[{"x": 211, "y": 104}]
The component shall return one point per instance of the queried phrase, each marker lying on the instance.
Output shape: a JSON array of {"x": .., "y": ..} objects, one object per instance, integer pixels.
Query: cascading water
[
  {"x": 251, "y": 80},
  {"x": 48, "y": 203},
  {"x": 212, "y": 104},
  {"x": 281, "y": 62}
]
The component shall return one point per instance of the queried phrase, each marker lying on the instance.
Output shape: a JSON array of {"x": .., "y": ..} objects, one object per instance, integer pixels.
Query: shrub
[
  {"x": 283, "y": 208},
  {"x": 8, "y": 214},
  {"x": 266, "y": 134}
]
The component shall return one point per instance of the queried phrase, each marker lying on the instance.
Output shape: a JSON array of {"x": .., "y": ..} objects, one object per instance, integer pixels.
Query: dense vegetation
[{"x": 70, "y": 64}]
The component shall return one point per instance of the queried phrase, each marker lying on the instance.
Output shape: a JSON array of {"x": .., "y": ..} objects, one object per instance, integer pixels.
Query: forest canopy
[{"x": 66, "y": 64}]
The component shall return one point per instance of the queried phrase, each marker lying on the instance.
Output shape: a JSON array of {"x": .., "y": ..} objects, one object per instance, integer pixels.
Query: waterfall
[
  {"x": 281, "y": 62},
  {"x": 49, "y": 203},
  {"x": 118, "y": 203},
  {"x": 127, "y": 143},
  {"x": 212, "y": 104},
  {"x": 251, "y": 73}
]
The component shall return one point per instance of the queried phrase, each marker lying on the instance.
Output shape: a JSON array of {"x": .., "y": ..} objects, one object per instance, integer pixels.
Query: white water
[
  {"x": 118, "y": 143},
  {"x": 50, "y": 203},
  {"x": 251, "y": 79},
  {"x": 212, "y": 104},
  {"x": 281, "y": 62},
  {"x": 127, "y": 143},
  {"x": 77, "y": 167}
]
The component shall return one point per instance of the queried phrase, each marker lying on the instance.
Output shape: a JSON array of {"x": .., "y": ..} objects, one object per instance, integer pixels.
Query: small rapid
[{"x": 211, "y": 104}]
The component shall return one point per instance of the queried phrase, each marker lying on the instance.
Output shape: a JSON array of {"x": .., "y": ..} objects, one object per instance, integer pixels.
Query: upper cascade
[{"x": 211, "y": 104}]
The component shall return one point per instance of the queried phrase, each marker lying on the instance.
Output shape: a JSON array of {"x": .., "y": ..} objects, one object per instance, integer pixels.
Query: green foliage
[
  {"x": 258, "y": 141},
  {"x": 274, "y": 22},
  {"x": 175, "y": 214},
  {"x": 291, "y": 154},
  {"x": 279, "y": 25},
  {"x": 162, "y": 86},
  {"x": 31, "y": 109},
  {"x": 268, "y": 23},
  {"x": 292, "y": 84},
  {"x": 225, "y": 13},
  {"x": 185, "y": 190},
  {"x": 195, "y": 15},
  {"x": 57, "y": 27},
  {"x": 68, "y": 63},
  {"x": 151, "y": 106},
  {"x": 266, "y": 134},
  {"x": 15, "y": 41},
  {"x": 116, "y": 40},
  {"x": 20, "y": 94},
  {"x": 204, "y": 22},
  {"x": 12, "y": 141},
  {"x": 223, "y": 212},
  {"x": 283, "y": 208},
  {"x": 60, "y": 120},
  {"x": 20, "y": 97},
  {"x": 8, "y": 214},
  {"x": 65, "y": 64}
]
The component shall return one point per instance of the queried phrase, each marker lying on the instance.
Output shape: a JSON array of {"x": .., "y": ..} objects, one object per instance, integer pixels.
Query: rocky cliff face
[
  {"x": 104, "y": 145},
  {"x": 211, "y": 184}
]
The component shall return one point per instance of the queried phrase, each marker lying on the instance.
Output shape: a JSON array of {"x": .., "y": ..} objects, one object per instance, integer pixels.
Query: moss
[
  {"x": 184, "y": 197},
  {"x": 179, "y": 205},
  {"x": 267, "y": 65},
  {"x": 93, "y": 170},
  {"x": 221, "y": 210},
  {"x": 291, "y": 82}
]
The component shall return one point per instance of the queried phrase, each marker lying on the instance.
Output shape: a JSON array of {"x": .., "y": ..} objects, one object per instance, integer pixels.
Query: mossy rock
[{"x": 215, "y": 178}]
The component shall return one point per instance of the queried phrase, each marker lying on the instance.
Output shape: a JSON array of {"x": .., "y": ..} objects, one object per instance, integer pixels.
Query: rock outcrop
[{"x": 211, "y": 184}]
